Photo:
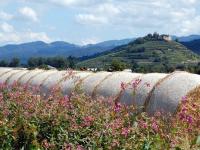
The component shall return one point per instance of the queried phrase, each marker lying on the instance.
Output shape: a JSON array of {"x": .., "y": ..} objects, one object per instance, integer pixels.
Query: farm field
[
  {"x": 37, "y": 113},
  {"x": 99, "y": 75}
]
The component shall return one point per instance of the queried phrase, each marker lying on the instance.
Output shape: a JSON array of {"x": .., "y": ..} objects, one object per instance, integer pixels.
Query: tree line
[{"x": 42, "y": 62}]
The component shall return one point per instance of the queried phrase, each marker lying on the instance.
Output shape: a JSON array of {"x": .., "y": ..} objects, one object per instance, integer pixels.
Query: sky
[{"x": 91, "y": 21}]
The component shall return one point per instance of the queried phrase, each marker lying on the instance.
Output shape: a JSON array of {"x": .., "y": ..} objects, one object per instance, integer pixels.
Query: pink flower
[
  {"x": 184, "y": 99},
  {"x": 115, "y": 143},
  {"x": 1, "y": 97},
  {"x": 136, "y": 83},
  {"x": 79, "y": 147},
  {"x": 117, "y": 107},
  {"x": 143, "y": 124},
  {"x": 123, "y": 86},
  {"x": 67, "y": 147},
  {"x": 189, "y": 119},
  {"x": 155, "y": 126},
  {"x": 88, "y": 121},
  {"x": 45, "y": 144},
  {"x": 125, "y": 132},
  {"x": 147, "y": 84},
  {"x": 64, "y": 102}
]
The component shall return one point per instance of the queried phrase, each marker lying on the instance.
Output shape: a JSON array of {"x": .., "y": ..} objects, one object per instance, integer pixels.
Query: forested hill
[{"x": 154, "y": 52}]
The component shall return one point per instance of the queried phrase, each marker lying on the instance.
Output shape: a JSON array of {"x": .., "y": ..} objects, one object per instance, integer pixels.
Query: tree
[
  {"x": 71, "y": 61},
  {"x": 134, "y": 66},
  {"x": 32, "y": 62},
  {"x": 176, "y": 40},
  {"x": 3, "y": 63},
  {"x": 117, "y": 65},
  {"x": 15, "y": 62}
]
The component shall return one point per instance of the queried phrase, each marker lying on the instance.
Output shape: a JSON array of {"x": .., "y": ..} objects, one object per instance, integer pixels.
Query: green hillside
[{"x": 151, "y": 53}]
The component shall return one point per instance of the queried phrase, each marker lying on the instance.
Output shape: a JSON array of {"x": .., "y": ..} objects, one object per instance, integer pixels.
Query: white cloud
[
  {"x": 29, "y": 13},
  {"x": 21, "y": 37},
  {"x": 80, "y": 3},
  {"x": 90, "y": 41},
  {"x": 91, "y": 19},
  {"x": 35, "y": 36},
  {"x": 5, "y": 27},
  {"x": 5, "y": 16},
  {"x": 173, "y": 17},
  {"x": 65, "y": 2}
]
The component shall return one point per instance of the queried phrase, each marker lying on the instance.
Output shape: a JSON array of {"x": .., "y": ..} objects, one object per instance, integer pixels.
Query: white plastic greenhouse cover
[
  {"x": 168, "y": 92},
  {"x": 137, "y": 95},
  {"x": 89, "y": 84},
  {"x": 112, "y": 85},
  {"x": 154, "y": 91}
]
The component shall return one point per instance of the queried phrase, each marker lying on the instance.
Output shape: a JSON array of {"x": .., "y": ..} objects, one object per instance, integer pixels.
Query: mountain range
[{"x": 60, "y": 48}]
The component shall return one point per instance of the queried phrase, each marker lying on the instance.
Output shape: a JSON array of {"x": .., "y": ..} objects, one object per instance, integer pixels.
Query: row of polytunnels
[{"x": 152, "y": 92}]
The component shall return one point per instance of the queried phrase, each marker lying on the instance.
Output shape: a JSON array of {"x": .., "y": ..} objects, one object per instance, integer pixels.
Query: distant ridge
[
  {"x": 193, "y": 45},
  {"x": 58, "y": 48}
]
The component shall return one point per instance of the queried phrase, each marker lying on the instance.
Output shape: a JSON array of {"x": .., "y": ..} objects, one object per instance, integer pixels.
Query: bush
[
  {"x": 30, "y": 121},
  {"x": 117, "y": 65}
]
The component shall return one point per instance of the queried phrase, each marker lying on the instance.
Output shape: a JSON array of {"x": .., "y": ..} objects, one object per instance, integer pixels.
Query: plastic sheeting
[
  {"x": 139, "y": 89},
  {"x": 4, "y": 70},
  {"x": 112, "y": 85},
  {"x": 16, "y": 77},
  {"x": 26, "y": 78},
  {"x": 4, "y": 78},
  {"x": 153, "y": 91},
  {"x": 69, "y": 84},
  {"x": 168, "y": 93},
  {"x": 91, "y": 83},
  {"x": 39, "y": 79}
]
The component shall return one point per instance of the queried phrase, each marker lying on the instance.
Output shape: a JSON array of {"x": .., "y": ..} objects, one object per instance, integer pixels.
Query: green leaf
[
  {"x": 198, "y": 140},
  {"x": 146, "y": 146}
]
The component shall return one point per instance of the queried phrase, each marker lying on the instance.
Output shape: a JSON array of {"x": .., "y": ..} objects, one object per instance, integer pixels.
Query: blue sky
[{"x": 92, "y": 21}]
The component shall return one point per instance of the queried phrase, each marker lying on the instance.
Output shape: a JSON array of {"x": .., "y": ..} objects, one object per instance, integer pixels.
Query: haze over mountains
[{"x": 60, "y": 48}]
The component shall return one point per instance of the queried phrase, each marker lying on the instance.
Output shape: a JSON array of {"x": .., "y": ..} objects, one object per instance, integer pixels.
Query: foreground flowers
[{"x": 30, "y": 121}]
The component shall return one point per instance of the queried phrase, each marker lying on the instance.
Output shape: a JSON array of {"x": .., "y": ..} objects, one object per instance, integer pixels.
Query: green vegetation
[
  {"x": 57, "y": 62},
  {"x": 117, "y": 65},
  {"x": 149, "y": 54},
  {"x": 14, "y": 62}
]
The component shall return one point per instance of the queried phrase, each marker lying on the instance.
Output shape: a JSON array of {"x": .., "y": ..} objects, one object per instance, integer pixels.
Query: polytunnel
[{"x": 152, "y": 92}]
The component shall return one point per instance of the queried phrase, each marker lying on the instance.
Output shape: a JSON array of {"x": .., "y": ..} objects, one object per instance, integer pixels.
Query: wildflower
[
  {"x": 136, "y": 83},
  {"x": 154, "y": 126},
  {"x": 189, "y": 119},
  {"x": 125, "y": 132},
  {"x": 115, "y": 143},
  {"x": 117, "y": 107},
  {"x": 184, "y": 99},
  {"x": 123, "y": 86},
  {"x": 88, "y": 121},
  {"x": 45, "y": 144},
  {"x": 147, "y": 84},
  {"x": 158, "y": 114},
  {"x": 143, "y": 124},
  {"x": 79, "y": 147},
  {"x": 1, "y": 97},
  {"x": 64, "y": 101},
  {"x": 67, "y": 146}
]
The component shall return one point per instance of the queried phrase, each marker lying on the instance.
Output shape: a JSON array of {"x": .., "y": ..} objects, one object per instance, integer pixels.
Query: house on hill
[{"x": 166, "y": 37}]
